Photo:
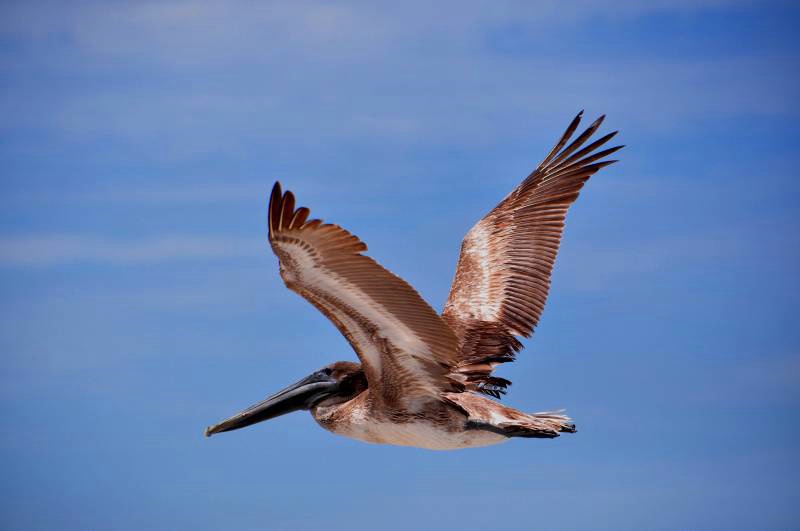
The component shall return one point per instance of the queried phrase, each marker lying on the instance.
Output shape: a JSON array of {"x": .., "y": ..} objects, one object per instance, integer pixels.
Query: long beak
[{"x": 300, "y": 395}]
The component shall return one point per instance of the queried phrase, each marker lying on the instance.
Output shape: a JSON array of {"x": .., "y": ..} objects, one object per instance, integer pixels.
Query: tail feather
[{"x": 485, "y": 414}]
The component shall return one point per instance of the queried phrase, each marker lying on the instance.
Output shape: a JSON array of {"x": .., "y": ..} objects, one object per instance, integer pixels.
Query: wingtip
[
  {"x": 596, "y": 124},
  {"x": 276, "y": 194},
  {"x": 275, "y": 198}
]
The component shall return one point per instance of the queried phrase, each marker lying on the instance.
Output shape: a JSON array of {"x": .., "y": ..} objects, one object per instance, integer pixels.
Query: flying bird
[{"x": 425, "y": 379}]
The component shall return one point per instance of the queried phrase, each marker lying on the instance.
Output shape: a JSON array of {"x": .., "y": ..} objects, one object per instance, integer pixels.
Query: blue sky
[{"x": 140, "y": 302}]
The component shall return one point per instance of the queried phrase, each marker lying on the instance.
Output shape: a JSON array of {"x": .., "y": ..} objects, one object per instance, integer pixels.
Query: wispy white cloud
[
  {"x": 208, "y": 32},
  {"x": 403, "y": 73},
  {"x": 150, "y": 194},
  {"x": 196, "y": 193},
  {"x": 55, "y": 250}
]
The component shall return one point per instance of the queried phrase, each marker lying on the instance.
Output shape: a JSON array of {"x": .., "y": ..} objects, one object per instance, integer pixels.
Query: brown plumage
[
  {"x": 373, "y": 308},
  {"x": 503, "y": 275},
  {"x": 420, "y": 372}
]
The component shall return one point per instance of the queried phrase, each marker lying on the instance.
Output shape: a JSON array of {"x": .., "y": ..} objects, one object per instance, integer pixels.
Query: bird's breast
[{"x": 434, "y": 432}]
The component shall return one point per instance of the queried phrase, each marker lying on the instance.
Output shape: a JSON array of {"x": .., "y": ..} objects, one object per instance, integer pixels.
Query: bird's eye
[{"x": 327, "y": 371}]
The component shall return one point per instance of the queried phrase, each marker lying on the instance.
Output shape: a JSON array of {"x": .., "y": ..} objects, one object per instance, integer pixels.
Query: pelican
[{"x": 425, "y": 379}]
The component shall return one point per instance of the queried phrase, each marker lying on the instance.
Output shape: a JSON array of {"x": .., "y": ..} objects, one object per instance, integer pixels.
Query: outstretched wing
[
  {"x": 406, "y": 349},
  {"x": 503, "y": 274}
]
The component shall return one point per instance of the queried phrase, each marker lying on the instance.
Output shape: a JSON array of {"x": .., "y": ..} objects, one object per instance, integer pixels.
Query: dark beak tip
[{"x": 209, "y": 431}]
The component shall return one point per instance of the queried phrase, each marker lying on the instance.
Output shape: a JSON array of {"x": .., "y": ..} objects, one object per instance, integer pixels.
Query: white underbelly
[{"x": 421, "y": 435}]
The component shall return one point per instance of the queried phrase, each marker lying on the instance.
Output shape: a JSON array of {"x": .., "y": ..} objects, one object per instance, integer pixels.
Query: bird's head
[{"x": 331, "y": 385}]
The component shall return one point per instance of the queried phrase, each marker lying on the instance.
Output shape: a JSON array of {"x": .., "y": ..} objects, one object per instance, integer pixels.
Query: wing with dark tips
[
  {"x": 406, "y": 349},
  {"x": 503, "y": 275}
]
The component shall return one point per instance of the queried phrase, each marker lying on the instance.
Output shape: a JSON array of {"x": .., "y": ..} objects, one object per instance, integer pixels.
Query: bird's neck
[{"x": 338, "y": 417}]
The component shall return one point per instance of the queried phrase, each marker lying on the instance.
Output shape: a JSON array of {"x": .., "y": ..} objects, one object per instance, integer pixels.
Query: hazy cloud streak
[{"x": 55, "y": 250}]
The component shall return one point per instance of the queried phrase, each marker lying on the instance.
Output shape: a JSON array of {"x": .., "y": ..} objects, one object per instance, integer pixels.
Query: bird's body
[
  {"x": 460, "y": 420},
  {"x": 423, "y": 377},
  {"x": 437, "y": 427}
]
